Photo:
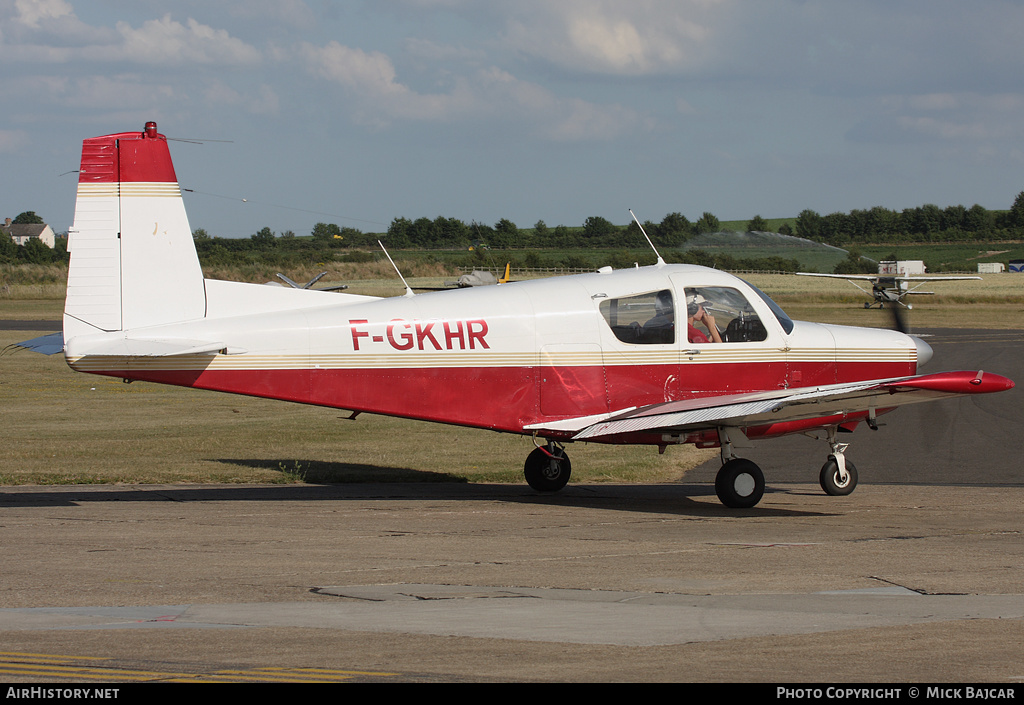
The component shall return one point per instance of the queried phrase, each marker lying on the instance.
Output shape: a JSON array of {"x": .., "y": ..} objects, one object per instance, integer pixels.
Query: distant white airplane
[
  {"x": 478, "y": 277},
  {"x": 888, "y": 288}
]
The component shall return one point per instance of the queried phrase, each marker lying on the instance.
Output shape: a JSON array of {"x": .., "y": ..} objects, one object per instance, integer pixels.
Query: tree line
[
  {"x": 447, "y": 233},
  {"x": 927, "y": 223},
  {"x": 330, "y": 242}
]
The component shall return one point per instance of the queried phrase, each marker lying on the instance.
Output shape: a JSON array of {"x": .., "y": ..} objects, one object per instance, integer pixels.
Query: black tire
[
  {"x": 739, "y": 484},
  {"x": 547, "y": 474},
  {"x": 829, "y": 478}
]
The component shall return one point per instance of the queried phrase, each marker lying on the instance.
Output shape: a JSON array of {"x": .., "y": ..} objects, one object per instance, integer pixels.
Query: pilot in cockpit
[
  {"x": 661, "y": 328},
  {"x": 697, "y": 313}
]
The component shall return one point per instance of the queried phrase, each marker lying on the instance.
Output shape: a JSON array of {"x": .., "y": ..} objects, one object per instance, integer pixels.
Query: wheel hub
[
  {"x": 552, "y": 469},
  {"x": 744, "y": 484}
]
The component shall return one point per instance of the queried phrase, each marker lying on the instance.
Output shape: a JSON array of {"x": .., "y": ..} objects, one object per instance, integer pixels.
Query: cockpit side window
[
  {"x": 721, "y": 314},
  {"x": 644, "y": 319}
]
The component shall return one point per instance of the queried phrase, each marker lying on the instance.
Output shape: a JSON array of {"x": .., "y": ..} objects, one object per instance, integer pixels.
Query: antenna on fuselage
[
  {"x": 660, "y": 260},
  {"x": 408, "y": 290}
]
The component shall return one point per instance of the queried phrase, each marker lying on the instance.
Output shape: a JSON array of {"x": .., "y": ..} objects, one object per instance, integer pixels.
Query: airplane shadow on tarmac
[
  {"x": 673, "y": 499},
  {"x": 326, "y": 472}
]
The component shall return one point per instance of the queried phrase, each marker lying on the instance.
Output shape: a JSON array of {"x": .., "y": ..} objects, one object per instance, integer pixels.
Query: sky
[{"x": 295, "y": 112}]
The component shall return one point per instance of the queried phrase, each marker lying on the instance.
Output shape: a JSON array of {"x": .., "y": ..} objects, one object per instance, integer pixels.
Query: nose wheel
[
  {"x": 838, "y": 479},
  {"x": 838, "y": 475}
]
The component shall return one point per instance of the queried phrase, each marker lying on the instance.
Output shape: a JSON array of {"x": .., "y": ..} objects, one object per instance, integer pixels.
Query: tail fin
[{"x": 133, "y": 261}]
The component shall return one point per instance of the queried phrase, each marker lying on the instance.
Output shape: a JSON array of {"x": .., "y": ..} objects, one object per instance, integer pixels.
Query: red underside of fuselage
[{"x": 509, "y": 398}]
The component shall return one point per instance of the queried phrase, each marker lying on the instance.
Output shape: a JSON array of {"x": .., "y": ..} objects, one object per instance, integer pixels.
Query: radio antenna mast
[
  {"x": 660, "y": 260},
  {"x": 408, "y": 291}
]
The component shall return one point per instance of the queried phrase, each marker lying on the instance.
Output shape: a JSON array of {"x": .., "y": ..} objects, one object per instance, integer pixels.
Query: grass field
[
  {"x": 63, "y": 427},
  {"x": 60, "y": 426}
]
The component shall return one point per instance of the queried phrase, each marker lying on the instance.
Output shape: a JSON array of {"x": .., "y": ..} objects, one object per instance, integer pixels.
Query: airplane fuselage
[{"x": 510, "y": 356}]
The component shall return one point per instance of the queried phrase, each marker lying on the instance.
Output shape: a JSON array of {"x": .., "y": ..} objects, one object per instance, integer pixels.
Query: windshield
[{"x": 784, "y": 320}]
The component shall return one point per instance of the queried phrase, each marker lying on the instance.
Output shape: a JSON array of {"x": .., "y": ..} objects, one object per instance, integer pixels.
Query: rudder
[{"x": 133, "y": 261}]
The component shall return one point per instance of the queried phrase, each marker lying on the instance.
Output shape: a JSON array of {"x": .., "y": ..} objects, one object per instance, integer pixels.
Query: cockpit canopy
[{"x": 653, "y": 317}]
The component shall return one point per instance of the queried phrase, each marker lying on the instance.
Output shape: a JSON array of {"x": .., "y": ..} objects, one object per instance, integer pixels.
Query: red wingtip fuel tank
[{"x": 961, "y": 382}]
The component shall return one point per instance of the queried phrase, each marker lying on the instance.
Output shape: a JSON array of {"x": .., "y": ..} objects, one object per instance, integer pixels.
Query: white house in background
[{"x": 22, "y": 233}]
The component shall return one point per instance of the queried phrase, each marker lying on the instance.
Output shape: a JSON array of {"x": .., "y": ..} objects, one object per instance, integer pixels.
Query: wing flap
[{"x": 795, "y": 404}]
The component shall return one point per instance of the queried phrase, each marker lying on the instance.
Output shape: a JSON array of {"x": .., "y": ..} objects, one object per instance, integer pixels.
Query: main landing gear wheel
[
  {"x": 833, "y": 482},
  {"x": 547, "y": 471},
  {"x": 739, "y": 484}
]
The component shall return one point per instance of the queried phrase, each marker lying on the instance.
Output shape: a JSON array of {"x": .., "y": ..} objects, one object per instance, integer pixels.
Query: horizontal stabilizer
[
  {"x": 146, "y": 347},
  {"x": 45, "y": 344}
]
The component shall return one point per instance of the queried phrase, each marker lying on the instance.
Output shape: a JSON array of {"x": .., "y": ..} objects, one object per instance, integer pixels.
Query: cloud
[
  {"x": 580, "y": 121},
  {"x": 33, "y": 12},
  {"x": 127, "y": 97},
  {"x": 963, "y": 118},
  {"x": 12, "y": 140},
  {"x": 166, "y": 41},
  {"x": 48, "y": 31},
  {"x": 294, "y": 13},
  {"x": 368, "y": 72},
  {"x": 490, "y": 93},
  {"x": 39, "y": 27},
  {"x": 553, "y": 117},
  {"x": 642, "y": 37},
  {"x": 369, "y": 79},
  {"x": 125, "y": 91},
  {"x": 430, "y": 51},
  {"x": 263, "y": 100}
]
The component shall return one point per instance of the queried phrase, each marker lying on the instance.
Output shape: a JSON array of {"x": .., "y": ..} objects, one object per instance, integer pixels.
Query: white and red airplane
[{"x": 657, "y": 355}]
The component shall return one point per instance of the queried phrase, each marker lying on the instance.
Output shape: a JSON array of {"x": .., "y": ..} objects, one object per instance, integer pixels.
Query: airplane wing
[
  {"x": 901, "y": 277},
  {"x": 929, "y": 278},
  {"x": 862, "y": 277},
  {"x": 761, "y": 408}
]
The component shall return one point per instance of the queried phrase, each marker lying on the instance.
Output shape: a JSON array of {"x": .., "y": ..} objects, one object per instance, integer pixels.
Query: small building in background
[{"x": 991, "y": 267}]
